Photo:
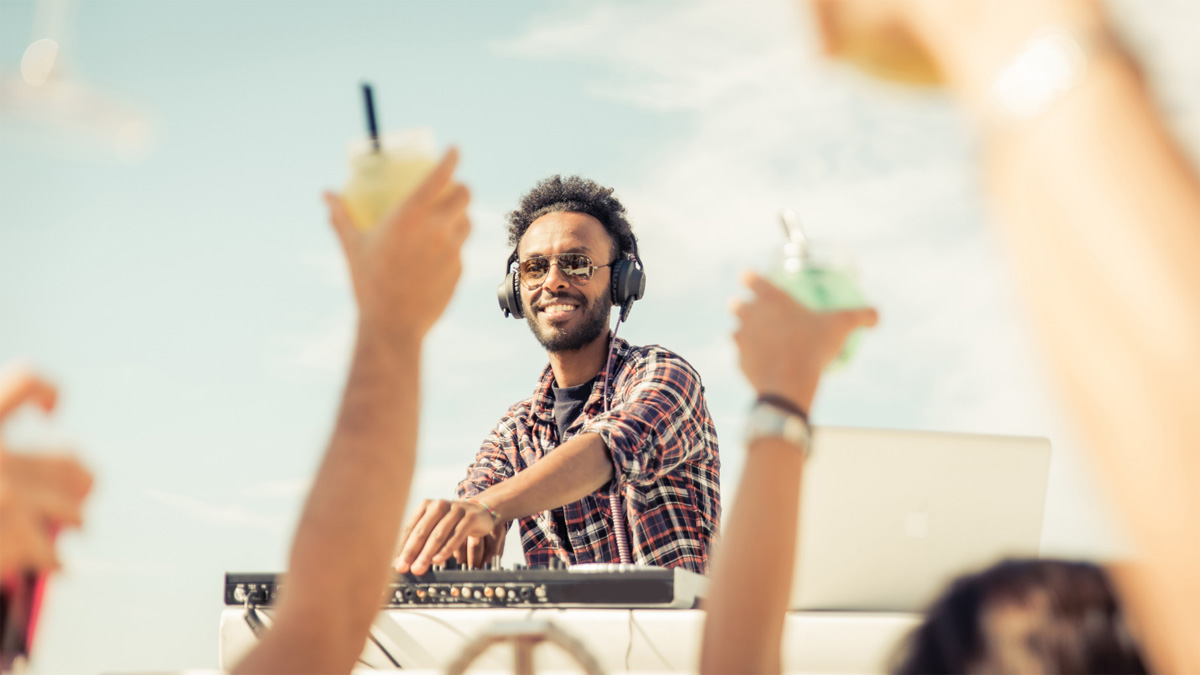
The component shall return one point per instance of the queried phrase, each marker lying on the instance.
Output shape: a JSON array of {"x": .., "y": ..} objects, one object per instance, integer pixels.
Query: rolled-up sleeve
[
  {"x": 492, "y": 463},
  {"x": 654, "y": 424}
]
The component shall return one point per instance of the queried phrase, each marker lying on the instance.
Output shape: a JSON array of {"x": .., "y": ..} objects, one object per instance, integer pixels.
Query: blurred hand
[
  {"x": 962, "y": 43},
  {"x": 38, "y": 494},
  {"x": 783, "y": 346},
  {"x": 405, "y": 268},
  {"x": 440, "y": 529}
]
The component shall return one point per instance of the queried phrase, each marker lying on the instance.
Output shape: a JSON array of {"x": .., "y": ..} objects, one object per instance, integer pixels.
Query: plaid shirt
[{"x": 664, "y": 450}]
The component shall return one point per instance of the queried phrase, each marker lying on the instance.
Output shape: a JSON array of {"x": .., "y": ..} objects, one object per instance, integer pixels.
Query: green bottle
[{"x": 819, "y": 275}]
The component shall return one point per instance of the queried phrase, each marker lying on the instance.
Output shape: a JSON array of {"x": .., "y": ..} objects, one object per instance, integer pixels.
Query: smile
[{"x": 558, "y": 310}]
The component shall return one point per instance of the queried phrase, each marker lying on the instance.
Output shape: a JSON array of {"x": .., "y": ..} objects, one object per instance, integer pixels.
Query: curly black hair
[{"x": 577, "y": 195}]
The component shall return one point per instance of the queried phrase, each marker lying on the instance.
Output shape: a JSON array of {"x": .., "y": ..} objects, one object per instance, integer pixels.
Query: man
[{"x": 554, "y": 458}]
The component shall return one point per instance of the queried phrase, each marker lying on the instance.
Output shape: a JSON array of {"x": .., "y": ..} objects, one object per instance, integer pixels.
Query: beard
[{"x": 592, "y": 324}]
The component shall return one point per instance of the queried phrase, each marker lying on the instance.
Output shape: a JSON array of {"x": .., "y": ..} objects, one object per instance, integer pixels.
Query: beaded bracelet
[{"x": 491, "y": 512}]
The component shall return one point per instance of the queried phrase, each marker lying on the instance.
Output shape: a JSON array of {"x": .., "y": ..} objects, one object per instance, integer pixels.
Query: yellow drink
[
  {"x": 381, "y": 180},
  {"x": 894, "y": 57}
]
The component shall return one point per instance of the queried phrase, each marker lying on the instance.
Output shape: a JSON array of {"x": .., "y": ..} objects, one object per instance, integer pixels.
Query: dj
[{"x": 614, "y": 457}]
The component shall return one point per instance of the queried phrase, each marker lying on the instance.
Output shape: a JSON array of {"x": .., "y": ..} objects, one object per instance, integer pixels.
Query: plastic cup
[
  {"x": 822, "y": 277},
  {"x": 381, "y": 179}
]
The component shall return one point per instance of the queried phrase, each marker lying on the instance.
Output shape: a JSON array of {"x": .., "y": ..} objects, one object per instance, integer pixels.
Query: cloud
[
  {"x": 224, "y": 515},
  {"x": 287, "y": 488}
]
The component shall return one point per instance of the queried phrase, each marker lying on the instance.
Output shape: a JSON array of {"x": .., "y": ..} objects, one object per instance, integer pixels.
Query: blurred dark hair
[
  {"x": 577, "y": 195},
  {"x": 1024, "y": 616}
]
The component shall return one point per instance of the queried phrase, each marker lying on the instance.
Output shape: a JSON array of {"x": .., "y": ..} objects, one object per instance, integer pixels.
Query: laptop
[{"x": 889, "y": 518}]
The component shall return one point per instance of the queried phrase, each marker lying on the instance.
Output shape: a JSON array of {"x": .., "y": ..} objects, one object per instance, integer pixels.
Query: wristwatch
[{"x": 768, "y": 419}]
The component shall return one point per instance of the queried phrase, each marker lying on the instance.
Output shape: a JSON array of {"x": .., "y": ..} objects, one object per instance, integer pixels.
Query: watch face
[{"x": 768, "y": 421}]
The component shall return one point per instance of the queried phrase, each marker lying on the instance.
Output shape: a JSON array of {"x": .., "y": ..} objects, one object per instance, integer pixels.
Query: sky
[{"x": 184, "y": 288}]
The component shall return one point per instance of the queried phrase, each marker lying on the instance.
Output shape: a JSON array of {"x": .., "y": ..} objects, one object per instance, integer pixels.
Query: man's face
[{"x": 566, "y": 314}]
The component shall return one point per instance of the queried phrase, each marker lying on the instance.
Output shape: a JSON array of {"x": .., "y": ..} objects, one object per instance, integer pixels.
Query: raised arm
[
  {"x": 1100, "y": 211},
  {"x": 782, "y": 349},
  {"x": 404, "y": 272}
]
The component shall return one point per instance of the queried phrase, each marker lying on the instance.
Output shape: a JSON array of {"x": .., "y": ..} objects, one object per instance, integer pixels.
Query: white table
[{"x": 642, "y": 640}]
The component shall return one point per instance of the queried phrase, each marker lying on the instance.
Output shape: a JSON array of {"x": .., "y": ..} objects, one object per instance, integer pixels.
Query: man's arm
[
  {"x": 404, "y": 273},
  {"x": 440, "y": 528},
  {"x": 783, "y": 348},
  {"x": 648, "y": 435}
]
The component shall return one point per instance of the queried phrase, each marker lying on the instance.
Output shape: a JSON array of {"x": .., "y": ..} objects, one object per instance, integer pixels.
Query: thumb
[{"x": 850, "y": 319}]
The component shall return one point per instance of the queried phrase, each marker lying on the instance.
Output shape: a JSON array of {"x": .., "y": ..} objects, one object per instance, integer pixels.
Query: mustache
[{"x": 554, "y": 299}]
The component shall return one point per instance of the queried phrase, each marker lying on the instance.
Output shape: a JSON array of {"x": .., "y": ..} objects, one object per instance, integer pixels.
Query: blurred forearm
[
  {"x": 1102, "y": 214},
  {"x": 752, "y": 576},
  {"x": 339, "y": 562}
]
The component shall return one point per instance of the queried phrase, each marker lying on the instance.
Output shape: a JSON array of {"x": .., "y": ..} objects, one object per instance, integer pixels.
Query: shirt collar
[{"x": 543, "y": 394}]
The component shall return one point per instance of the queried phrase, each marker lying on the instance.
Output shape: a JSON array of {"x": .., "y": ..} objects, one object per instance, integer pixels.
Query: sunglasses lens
[
  {"x": 534, "y": 270},
  {"x": 575, "y": 265}
]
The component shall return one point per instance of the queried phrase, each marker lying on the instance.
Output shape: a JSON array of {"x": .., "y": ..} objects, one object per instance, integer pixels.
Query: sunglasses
[{"x": 575, "y": 266}]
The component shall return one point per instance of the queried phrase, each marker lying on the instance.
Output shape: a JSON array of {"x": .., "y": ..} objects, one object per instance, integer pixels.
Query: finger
[
  {"x": 412, "y": 520},
  {"x": 739, "y": 308},
  {"x": 421, "y": 545},
  {"x": 453, "y": 544},
  {"x": 824, "y": 14},
  {"x": 460, "y": 230},
  {"x": 438, "y": 538},
  {"x": 20, "y": 386},
  {"x": 343, "y": 224},
  {"x": 436, "y": 181},
  {"x": 453, "y": 200},
  {"x": 761, "y": 287},
  {"x": 474, "y": 552},
  {"x": 450, "y": 217},
  {"x": 415, "y": 534},
  {"x": 865, "y": 317},
  {"x": 55, "y": 508},
  {"x": 490, "y": 548},
  {"x": 51, "y": 472}
]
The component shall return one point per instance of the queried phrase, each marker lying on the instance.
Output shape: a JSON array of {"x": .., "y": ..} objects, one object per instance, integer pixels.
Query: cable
[
  {"x": 629, "y": 644},
  {"x": 614, "y": 496},
  {"x": 375, "y": 641},
  {"x": 650, "y": 643}
]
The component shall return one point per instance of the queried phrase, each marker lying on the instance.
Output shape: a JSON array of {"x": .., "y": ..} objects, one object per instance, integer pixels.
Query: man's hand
[
  {"x": 405, "y": 268},
  {"x": 38, "y": 494},
  {"x": 783, "y": 346},
  {"x": 440, "y": 529}
]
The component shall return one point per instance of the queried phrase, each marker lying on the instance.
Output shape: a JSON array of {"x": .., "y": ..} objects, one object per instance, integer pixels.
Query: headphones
[{"x": 628, "y": 284}]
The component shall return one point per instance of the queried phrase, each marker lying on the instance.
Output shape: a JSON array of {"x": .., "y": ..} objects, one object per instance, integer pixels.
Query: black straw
[{"x": 371, "y": 126}]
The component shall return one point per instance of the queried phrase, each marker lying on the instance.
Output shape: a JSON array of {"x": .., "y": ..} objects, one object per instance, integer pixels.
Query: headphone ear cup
[
  {"x": 628, "y": 282},
  {"x": 510, "y": 297}
]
